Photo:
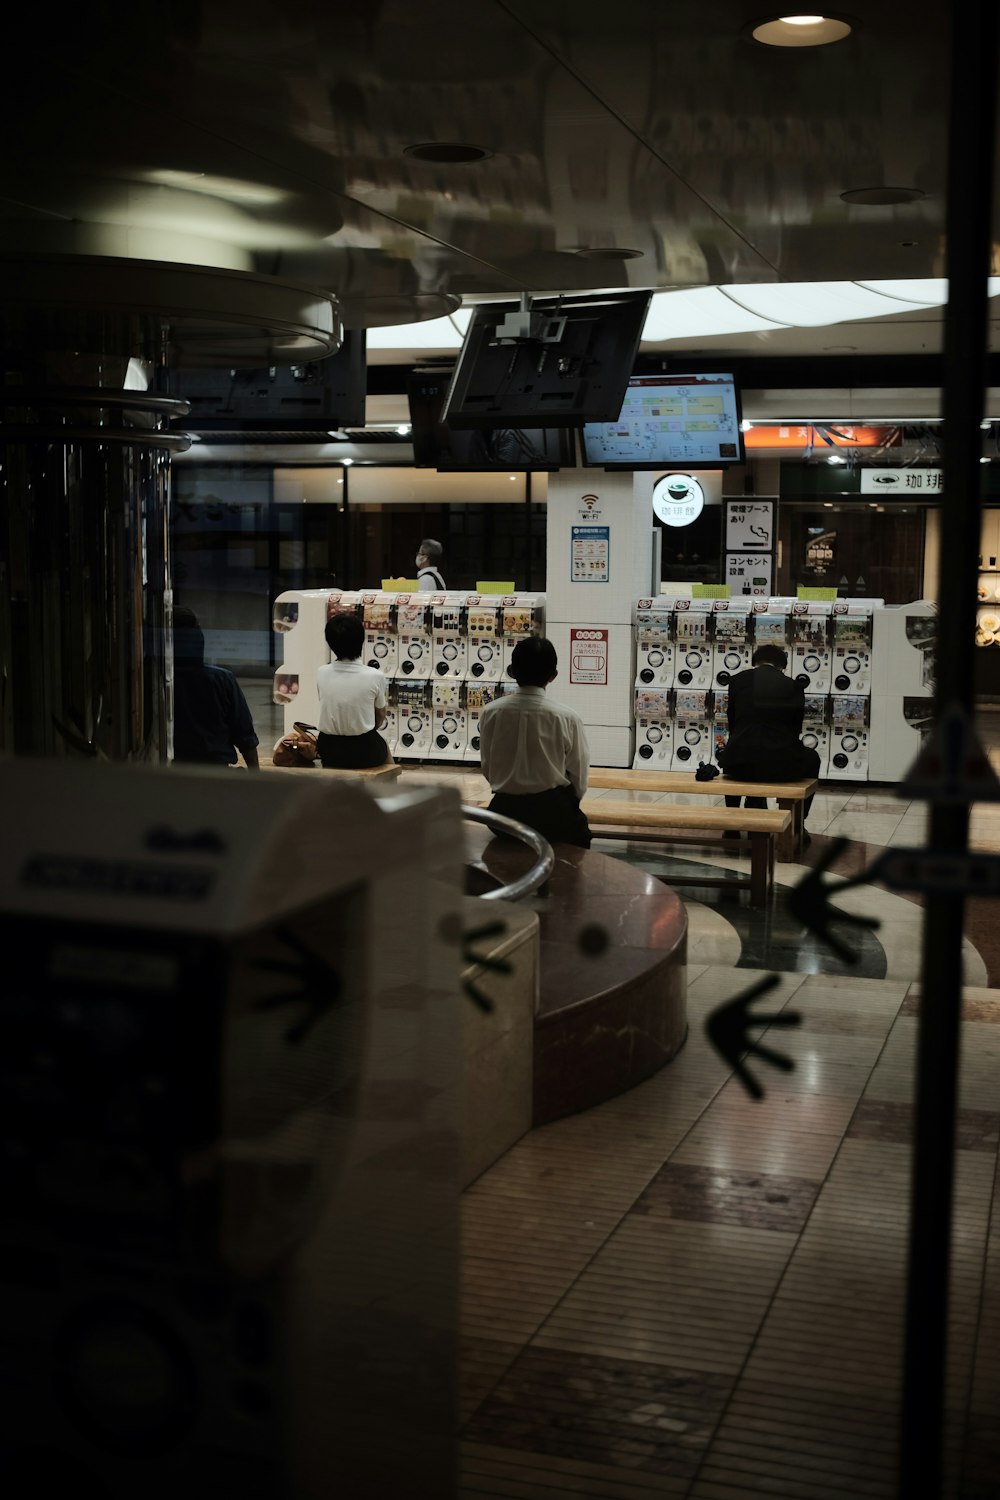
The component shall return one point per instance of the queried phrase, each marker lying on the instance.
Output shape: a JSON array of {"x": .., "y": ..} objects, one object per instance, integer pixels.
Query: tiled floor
[{"x": 686, "y": 1292}]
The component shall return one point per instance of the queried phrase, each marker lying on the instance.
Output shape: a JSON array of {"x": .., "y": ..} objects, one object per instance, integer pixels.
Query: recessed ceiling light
[
  {"x": 602, "y": 252},
  {"x": 882, "y": 196},
  {"x": 447, "y": 151},
  {"x": 346, "y": 461},
  {"x": 800, "y": 31},
  {"x": 403, "y": 429},
  {"x": 835, "y": 458}
]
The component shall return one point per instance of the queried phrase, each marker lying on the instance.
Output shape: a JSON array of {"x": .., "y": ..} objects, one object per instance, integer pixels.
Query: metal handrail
[{"x": 540, "y": 871}]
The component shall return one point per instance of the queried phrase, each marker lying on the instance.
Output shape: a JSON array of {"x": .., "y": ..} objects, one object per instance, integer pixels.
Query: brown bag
[{"x": 299, "y": 748}]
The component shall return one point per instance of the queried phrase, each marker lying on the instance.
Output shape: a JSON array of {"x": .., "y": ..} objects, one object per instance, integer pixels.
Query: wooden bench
[
  {"x": 387, "y": 772},
  {"x": 659, "y": 822},
  {"x": 790, "y": 795}
]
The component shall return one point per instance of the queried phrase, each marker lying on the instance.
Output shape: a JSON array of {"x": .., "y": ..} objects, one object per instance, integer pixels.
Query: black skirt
[
  {"x": 352, "y": 752},
  {"x": 555, "y": 814}
]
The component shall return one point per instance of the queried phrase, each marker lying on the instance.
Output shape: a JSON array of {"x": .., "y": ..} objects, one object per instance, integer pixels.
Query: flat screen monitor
[
  {"x": 688, "y": 420},
  {"x": 436, "y": 446},
  {"x": 572, "y": 367},
  {"x": 323, "y": 394}
]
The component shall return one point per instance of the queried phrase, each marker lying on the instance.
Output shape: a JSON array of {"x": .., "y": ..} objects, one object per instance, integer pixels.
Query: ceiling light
[
  {"x": 512, "y": 477},
  {"x": 403, "y": 429},
  {"x": 985, "y": 424},
  {"x": 882, "y": 196},
  {"x": 600, "y": 252},
  {"x": 799, "y": 31},
  {"x": 451, "y": 152},
  {"x": 346, "y": 461},
  {"x": 745, "y": 425},
  {"x": 984, "y": 460},
  {"x": 835, "y": 458},
  {"x": 828, "y": 505}
]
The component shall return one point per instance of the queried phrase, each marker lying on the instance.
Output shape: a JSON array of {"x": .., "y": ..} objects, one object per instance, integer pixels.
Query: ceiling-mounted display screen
[
  {"x": 670, "y": 419},
  {"x": 311, "y": 397},
  {"x": 436, "y": 446},
  {"x": 561, "y": 362}
]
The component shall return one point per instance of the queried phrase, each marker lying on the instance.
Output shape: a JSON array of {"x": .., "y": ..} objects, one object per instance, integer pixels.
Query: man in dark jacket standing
[{"x": 765, "y": 721}]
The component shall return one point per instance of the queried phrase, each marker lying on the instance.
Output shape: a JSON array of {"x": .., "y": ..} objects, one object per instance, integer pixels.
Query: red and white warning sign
[{"x": 588, "y": 655}]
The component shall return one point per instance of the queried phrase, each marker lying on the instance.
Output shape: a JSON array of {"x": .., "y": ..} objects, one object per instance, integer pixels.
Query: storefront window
[{"x": 860, "y": 550}]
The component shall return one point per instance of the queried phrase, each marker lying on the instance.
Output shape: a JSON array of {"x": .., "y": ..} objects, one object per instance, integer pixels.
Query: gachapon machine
[
  {"x": 414, "y": 718},
  {"x": 772, "y": 623},
  {"x": 450, "y": 642},
  {"x": 693, "y": 644},
  {"x": 381, "y": 641},
  {"x": 450, "y": 721},
  {"x": 732, "y": 647},
  {"x": 485, "y": 647},
  {"x": 720, "y": 721},
  {"x": 816, "y": 728},
  {"x": 390, "y": 729},
  {"x": 653, "y": 623},
  {"x": 849, "y": 747},
  {"x": 413, "y": 632},
  {"x": 811, "y": 654},
  {"x": 477, "y": 695},
  {"x": 852, "y": 645},
  {"x": 522, "y": 615},
  {"x": 654, "y": 737},
  {"x": 298, "y": 618},
  {"x": 692, "y": 729}
]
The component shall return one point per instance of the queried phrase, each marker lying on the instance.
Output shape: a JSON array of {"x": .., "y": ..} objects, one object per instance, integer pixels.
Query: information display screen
[{"x": 670, "y": 419}]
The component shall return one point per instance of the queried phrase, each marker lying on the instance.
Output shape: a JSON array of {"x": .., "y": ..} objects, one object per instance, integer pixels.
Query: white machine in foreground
[{"x": 230, "y": 1153}]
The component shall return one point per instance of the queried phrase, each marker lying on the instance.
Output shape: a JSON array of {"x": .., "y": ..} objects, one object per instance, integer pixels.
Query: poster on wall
[
  {"x": 750, "y": 573},
  {"x": 590, "y": 554},
  {"x": 588, "y": 655},
  {"x": 749, "y": 523}
]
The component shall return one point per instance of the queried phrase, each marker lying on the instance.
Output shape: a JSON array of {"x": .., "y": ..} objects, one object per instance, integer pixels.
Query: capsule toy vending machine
[
  {"x": 413, "y": 631},
  {"x": 381, "y": 640},
  {"x": 720, "y": 721},
  {"x": 477, "y": 695},
  {"x": 654, "y": 729},
  {"x": 414, "y": 718},
  {"x": 450, "y": 656},
  {"x": 485, "y": 643},
  {"x": 693, "y": 741},
  {"x": 816, "y": 729},
  {"x": 902, "y": 696},
  {"x": 653, "y": 623},
  {"x": 693, "y": 646},
  {"x": 772, "y": 623},
  {"x": 849, "y": 737},
  {"x": 732, "y": 647},
  {"x": 812, "y": 654},
  {"x": 299, "y": 617},
  {"x": 852, "y": 645},
  {"x": 451, "y": 722},
  {"x": 522, "y": 615}
]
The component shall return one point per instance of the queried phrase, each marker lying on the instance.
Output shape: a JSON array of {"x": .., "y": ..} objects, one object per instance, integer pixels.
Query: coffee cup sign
[{"x": 678, "y": 499}]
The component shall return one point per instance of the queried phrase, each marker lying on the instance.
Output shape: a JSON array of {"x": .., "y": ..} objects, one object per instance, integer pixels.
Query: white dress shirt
[
  {"x": 349, "y": 694},
  {"x": 527, "y": 744},
  {"x": 429, "y": 581}
]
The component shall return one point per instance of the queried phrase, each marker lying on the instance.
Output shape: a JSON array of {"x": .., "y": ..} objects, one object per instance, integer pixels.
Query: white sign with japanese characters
[
  {"x": 749, "y": 574},
  {"x": 901, "y": 481},
  {"x": 749, "y": 523},
  {"x": 678, "y": 499}
]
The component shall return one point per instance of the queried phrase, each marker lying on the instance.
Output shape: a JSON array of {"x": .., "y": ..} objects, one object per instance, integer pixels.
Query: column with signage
[{"x": 600, "y": 553}]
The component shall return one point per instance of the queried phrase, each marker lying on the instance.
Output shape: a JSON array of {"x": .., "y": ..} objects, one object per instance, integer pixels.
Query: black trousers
[
  {"x": 806, "y": 764},
  {"x": 352, "y": 752},
  {"x": 555, "y": 814}
]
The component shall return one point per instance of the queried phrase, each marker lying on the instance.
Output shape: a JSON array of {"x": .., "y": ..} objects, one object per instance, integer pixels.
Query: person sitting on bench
[
  {"x": 765, "y": 711},
  {"x": 352, "y": 701}
]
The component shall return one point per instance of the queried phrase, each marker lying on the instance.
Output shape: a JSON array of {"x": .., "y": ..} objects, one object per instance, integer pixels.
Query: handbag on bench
[{"x": 298, "y": 748}]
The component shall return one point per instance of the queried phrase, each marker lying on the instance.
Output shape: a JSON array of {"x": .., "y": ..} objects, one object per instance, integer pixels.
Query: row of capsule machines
[
  {"x": 687, "y": 650},
  {"x": 444, "y": 657}
]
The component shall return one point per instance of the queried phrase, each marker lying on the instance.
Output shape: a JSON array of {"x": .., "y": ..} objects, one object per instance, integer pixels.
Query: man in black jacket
[{"x": 765, "y": 721}]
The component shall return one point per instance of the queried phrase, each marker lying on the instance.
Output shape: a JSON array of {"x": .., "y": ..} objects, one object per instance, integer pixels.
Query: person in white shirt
[
  {"x": 534, "y": 753},
  {"x": 429, "y": 555},
  {"x": 352, "y": 704}
]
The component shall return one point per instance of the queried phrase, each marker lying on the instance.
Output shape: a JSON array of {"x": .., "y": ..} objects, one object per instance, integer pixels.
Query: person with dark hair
[
  {"x": 429, "y": 555},
  {"x": 212, "y": 722},
  {"x": 765, "y": 711},
  {"x": 352, "y": 703},
  {"x": 534, "y": 753}
]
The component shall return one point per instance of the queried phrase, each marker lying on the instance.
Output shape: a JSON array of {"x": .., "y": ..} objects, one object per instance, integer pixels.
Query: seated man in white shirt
[
  {"x": 352, "y": 705},
  {"x": 534, "y": 753}
]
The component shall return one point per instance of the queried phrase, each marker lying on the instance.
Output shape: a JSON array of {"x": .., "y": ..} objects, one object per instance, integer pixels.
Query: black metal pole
[{"x": 971, "y": 129}]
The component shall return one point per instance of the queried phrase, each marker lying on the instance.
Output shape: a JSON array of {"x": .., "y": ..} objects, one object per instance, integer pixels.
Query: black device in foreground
[
  {"x": 552, "y": 362},
  {"x": 693, "y": 420},
  {"x": 436, "y": 446},
  {"x": 320, "y": 395}
]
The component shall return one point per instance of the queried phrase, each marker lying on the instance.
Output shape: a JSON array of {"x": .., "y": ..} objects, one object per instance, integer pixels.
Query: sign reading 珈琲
[{"x": 901, "y": 481}]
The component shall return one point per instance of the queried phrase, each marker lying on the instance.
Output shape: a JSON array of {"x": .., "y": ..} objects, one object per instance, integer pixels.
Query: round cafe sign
[{"x": 678, "y": 499}]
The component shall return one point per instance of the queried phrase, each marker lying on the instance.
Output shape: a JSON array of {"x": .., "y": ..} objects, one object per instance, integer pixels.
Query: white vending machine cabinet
[
  {"x": 413, "y": 628},
  {"x": 903, "y": 647},
  {"x": 772, "y": 623},
  {"x": 390, "y": 729},
  {"x": 381, "y": 640},
  {"x": 654, "y": 737},
  {"x": 849, "y": 737},
  {"x": 693, "y": 648},
  {"x": 733, "y": 644},
  {"x": 653, "y": 623},
  {"x": 692, "y": 729},
  {"x": 451, "y": 644},
  {"x": 522, "y": 615},
  {"x": 811, "y": 654},
  {"x": 415, "y": 718},
  {"x": 450, "y": 721},
  {"x": 299, "y": 618},
  {"x": 485, "y": 649},
  {"x": 816, "y": 729},
  {"x": 720, "y": 721},
  {"x": 852, "y": 645},
  {"x": 477, "y": 695}
]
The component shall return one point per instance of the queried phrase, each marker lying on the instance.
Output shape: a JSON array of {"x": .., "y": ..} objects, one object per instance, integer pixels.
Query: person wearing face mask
[{"x": 429, "y": 555}]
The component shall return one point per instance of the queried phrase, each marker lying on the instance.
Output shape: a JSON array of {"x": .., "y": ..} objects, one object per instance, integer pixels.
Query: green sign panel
[
  {"x": 710, "y": 591},
  {"x": 820, "y": 594}
]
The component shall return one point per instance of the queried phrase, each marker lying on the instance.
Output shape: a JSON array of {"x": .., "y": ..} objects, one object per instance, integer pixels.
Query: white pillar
[{"x": 599, "y": 559}]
